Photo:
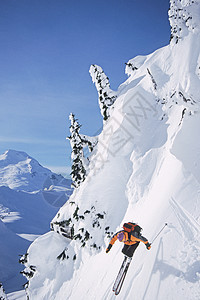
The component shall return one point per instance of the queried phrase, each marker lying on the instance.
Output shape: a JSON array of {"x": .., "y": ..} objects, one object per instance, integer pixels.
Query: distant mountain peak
[
  {"x": 14, "y": 155},
  {"x": 19, "y": 171}
]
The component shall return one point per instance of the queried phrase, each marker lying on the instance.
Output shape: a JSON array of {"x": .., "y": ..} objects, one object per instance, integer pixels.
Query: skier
[{"x": 131, "y": 237}]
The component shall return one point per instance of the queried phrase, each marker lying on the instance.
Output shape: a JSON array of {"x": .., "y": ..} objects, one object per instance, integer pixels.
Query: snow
[
  {"x": 20, "y": 295},
  {"x": 187, "y": 138},
  {"x": 30, "y": 196},
  {"x": 28, "y": 237},
  {"x": 145, "y": 168}
]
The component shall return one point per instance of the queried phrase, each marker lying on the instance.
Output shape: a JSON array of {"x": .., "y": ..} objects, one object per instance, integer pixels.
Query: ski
[
  {"x": 118, "y": 288},
  {"x": 121, "y": 275}
]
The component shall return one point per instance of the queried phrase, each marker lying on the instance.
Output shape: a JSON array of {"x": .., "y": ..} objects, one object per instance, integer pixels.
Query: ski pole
[{"x": 158, "y": 233}]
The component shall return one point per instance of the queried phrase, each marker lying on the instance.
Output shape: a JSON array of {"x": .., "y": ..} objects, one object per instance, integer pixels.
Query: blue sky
[{"x": 47, "y": 47}]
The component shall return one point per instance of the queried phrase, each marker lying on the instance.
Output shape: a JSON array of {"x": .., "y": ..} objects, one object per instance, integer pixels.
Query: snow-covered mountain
[
  {"x": 146, "y": 169},
  {"x": 19, "y": 171},
  {"x": 30, "y": 196}
]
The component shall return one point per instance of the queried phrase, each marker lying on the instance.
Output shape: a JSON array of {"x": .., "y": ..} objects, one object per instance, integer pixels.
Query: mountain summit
[{"x": 19, "y": 171}]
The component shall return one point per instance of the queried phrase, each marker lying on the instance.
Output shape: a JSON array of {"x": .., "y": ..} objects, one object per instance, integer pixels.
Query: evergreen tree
[
  {"x": 78, "y": 172},
  {"x": 183, "y": 18},
  {"x": 2, "y": 293},
  {"x": 106, "y": 96},
  {"x": 89, "y": 142}
]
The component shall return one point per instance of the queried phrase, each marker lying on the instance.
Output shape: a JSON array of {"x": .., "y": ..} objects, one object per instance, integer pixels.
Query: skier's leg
[
  {"x": 129, "y": 250},
  {"x": 125, "y": 250},
  {"x": 133, "y": 248}
]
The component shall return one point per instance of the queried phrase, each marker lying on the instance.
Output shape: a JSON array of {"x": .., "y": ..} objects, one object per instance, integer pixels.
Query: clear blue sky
[{"x": 46, "y": 49}]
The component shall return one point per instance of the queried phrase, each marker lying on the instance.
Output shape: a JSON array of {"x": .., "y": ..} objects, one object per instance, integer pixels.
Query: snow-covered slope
[
  {"x": 146, "y": 168},
  {"x": 30, "y": 196}
]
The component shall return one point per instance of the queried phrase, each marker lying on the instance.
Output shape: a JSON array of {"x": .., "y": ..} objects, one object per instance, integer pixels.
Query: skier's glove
[
  {"x": 148, "y": 246},
  {"x": 109, "y": 247}
]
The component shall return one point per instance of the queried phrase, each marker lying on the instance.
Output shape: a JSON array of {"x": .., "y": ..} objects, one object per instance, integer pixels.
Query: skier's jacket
[{"x": 129, "y": 238}]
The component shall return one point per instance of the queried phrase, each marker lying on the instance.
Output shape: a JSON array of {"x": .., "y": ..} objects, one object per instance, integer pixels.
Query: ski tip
[{"x": 117, "y": 293}]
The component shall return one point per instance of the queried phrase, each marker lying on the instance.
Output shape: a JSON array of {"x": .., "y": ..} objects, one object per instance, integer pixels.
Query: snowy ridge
[{"x": 145, "y": 169}]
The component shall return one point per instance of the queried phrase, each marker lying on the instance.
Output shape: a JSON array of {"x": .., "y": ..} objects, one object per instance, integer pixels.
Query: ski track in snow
[
  {"x": 136, "y": 274},
  {"x": 189, "y": 226},
  {"x": 154, "y": 269},
  {"x": 187, "y": 271}
]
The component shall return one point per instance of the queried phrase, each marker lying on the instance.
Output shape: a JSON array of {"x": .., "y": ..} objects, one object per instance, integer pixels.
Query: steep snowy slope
[
  {"x": 28, "y": 202},
  {"x": 145, "y": 168}
]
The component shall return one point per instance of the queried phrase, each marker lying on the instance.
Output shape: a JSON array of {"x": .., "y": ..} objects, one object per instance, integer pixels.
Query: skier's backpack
[{"x": 130, "y": 227}]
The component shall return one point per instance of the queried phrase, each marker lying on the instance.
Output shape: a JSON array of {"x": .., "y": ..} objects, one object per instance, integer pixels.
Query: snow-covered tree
[
  {"x": 78, "y": 172},
  {"x": 2, "y": 293},
  {"x": 89, "y": 141},
  {"x": 106, "y": 96},
  {"x": 183, "y": 17},
  {"x": 79, "y": 142}
]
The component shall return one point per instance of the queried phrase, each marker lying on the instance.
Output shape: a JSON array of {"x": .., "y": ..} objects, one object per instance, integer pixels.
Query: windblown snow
[{"x": 146, "y": 169}]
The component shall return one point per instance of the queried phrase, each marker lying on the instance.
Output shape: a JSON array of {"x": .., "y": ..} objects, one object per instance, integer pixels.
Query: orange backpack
[{"x": 129, "y": 227}]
